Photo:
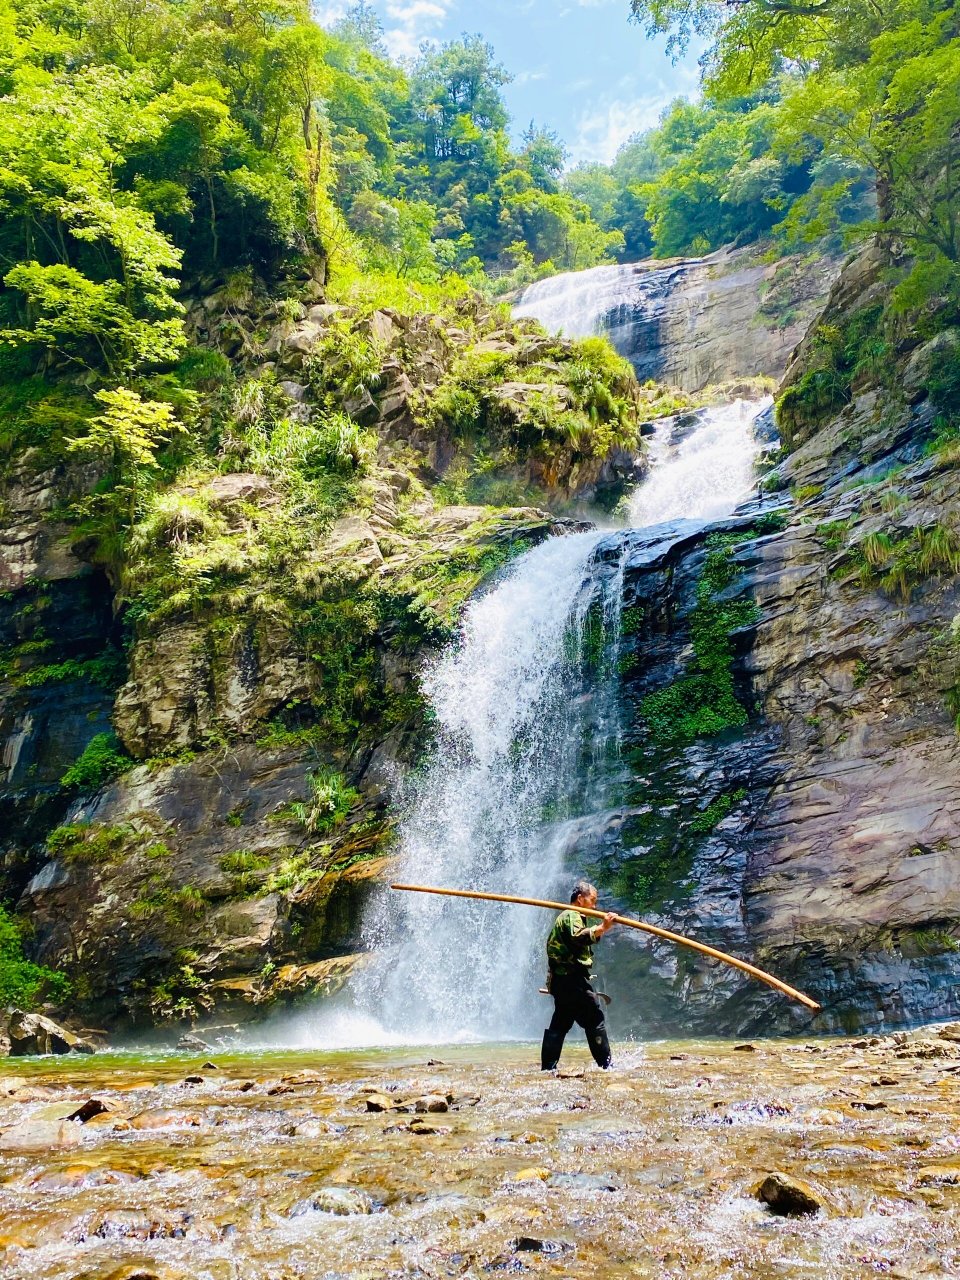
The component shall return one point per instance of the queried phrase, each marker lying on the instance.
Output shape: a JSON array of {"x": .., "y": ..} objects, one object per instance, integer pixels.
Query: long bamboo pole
[{"x": 753, "y": 971}]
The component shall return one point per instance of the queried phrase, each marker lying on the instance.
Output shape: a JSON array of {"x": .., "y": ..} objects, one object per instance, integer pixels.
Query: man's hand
[{"x": 607, "y": 923}]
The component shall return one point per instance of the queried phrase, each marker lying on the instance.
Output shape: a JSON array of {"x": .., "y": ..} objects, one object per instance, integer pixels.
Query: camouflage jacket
[{"x": 570, "y": 944}]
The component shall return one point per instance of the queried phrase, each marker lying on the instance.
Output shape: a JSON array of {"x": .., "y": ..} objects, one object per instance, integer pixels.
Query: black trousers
[{"x": 575, "y": 1001}]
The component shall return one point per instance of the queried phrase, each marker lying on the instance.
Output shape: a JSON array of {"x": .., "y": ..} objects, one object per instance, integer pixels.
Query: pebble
[
  {"x": 531, "y": 1244},
  {"x": 421, "y": 1128},
  {"x": 433, "y": 1102}
]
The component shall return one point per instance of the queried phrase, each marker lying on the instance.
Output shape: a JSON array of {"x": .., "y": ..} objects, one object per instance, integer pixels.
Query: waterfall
[
  {"x": 525, "y": 711},
  {"x": 511, "y": 718}
]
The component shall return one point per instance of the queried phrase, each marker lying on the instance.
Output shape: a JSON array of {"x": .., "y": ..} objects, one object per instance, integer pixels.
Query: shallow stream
[{"x": 273, "y": 1166}]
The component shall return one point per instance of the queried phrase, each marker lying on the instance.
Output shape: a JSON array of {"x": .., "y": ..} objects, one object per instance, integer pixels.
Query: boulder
[
  {"x": 192, "y": 1043},
  {"x": 32, "y": 1033},
  {"x": 381, "y": 328},
  {"x": 787, "y": 1196},
  {"x": 94, "y": 1107},
  {"x": 241, "y": 486},
  {"x": 431, "y": 1102},
  {"x": 362, "y": 408},
  {"x": 379, "y": 1102}
]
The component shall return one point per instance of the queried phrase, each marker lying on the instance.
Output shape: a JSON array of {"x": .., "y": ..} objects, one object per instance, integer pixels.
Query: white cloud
[
  {"x": 329, "y": 12},
  {"x": 412, "y": 22},
  {"x": 633, "y": 103},
  {"x": 603, "y": 128},
  {"x": 525, "y": 77}
]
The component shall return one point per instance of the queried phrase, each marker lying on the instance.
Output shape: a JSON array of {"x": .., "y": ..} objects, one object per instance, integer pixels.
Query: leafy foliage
[
  {"x": 103, "y": 759},
  {"x": 22, "y": 982},
  {"x": 330, "y": 800},
  {"x": 868, "y": 95}
]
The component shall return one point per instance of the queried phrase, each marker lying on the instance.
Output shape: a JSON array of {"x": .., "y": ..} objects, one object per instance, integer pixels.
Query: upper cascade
[{"x": 690, "y": 322}]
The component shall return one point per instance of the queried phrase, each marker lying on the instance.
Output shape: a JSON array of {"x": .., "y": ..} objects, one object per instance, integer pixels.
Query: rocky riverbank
[{"x": 473, "y": 1163}]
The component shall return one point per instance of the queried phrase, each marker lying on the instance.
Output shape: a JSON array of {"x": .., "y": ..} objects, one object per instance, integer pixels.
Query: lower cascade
[{"x": 525, "y": 748}]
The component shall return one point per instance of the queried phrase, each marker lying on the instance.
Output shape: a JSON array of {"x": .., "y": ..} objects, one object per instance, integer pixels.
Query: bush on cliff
[{"x": 22, "y": 982}]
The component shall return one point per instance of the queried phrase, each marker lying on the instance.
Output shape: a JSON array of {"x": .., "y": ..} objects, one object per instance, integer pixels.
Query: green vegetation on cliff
[
  {"x": 703, "y": 701},
  {"x": 23, "y": 983}
]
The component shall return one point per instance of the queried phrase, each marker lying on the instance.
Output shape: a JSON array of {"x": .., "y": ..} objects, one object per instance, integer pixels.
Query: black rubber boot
[
  {"x": 600, "y": 1046},
  {"x": 550, "y": 1050}
]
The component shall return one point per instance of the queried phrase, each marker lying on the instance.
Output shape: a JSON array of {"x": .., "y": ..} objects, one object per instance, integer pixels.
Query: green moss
[
  {"x": 107, "y": 670},
  {"x": 806, "y": 491},
  {"x": 93, "y": 842},
  {"x": 247, "y": 871},
  {"x": 174, "y": 906},
  {"x": 716, "y": 811},
  {"x": 339, "y": 639},
  {"x": 295, "y": 872},
  {"x": 425, "y": 604},
  {"x": 277, "y": 736},
  {"x": 703, "y": 702},
  {"x": 631, "y": 620}
]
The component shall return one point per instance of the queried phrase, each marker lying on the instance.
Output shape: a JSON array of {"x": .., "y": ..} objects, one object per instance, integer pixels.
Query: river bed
[{"x": 273, "y": 1166}]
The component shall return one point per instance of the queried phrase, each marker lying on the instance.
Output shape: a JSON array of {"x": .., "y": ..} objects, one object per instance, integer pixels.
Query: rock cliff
[{"x": 201, "y": 741}]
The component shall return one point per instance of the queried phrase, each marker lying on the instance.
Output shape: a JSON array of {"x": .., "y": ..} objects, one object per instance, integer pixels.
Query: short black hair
[{"x": 581, "y": 888}]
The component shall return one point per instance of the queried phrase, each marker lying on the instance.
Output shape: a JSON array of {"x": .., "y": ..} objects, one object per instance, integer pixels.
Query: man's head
[{"x": 584, "y": 894}]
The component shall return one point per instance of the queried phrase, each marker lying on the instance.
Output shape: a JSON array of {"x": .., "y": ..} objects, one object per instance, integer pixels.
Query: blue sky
[{"x": 578, "y": 65}]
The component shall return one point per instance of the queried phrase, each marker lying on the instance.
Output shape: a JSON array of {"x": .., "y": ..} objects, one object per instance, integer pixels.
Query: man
[{"x": 569, "y": 957}]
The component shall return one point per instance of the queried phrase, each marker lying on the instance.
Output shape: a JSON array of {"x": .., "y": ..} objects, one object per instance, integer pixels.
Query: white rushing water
[
  {"x": 704, "y": 474},
  {"x": 483, "y": 815},
  {"x": 575, "y": 302}
]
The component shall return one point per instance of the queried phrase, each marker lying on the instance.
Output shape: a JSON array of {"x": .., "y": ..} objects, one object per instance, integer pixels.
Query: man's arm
[{"x": 593, "y": 933}]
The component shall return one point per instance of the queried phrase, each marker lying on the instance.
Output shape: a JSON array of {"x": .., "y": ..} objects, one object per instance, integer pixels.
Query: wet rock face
[
  {"x": 52, "y": 632},
  {"x": 203, "y": 860},
  {"x": 819, "y": 837}
]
